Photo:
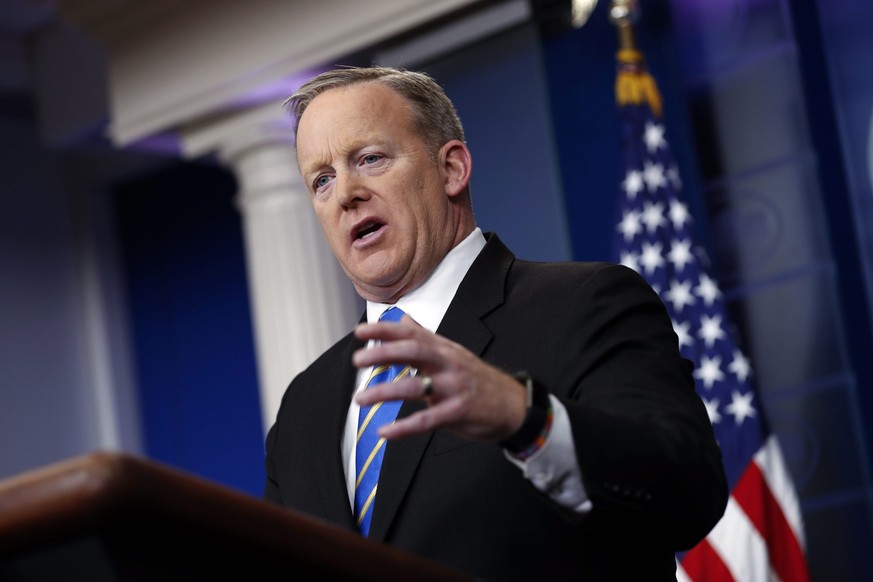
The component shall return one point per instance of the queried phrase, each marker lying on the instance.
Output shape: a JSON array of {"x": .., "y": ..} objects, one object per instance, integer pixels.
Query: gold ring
[{"x": 426, "y": 386}]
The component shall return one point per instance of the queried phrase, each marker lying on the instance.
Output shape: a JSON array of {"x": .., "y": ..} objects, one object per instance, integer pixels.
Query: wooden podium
[{"x": 116, "y": 517}]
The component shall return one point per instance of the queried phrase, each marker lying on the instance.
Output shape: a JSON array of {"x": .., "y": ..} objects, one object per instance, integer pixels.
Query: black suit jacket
[{"x": 600, "y": 339}]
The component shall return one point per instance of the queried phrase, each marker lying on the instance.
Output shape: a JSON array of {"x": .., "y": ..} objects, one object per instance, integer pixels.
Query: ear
[{"x": 457, "y": 165}]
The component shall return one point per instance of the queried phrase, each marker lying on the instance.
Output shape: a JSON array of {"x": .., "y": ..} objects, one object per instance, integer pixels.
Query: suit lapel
[
  {"x": 333, "y": 395},
  {"x": 480, "y": 292}
]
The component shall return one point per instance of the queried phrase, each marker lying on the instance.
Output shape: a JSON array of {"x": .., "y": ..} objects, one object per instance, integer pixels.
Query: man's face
[{"x": 378, "y": 192}]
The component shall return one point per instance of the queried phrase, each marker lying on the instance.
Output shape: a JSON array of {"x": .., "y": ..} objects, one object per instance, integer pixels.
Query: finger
[
  {"x": 404, "y": 389},
  {"x": 388, "y": 331},
  {"x": 446, "y": 414},
  {"x": 441, "y": 415},
  {"x": 411, "y": 352}
]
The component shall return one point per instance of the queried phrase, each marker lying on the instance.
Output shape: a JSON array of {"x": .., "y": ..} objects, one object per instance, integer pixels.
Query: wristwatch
[{"x": 534, "y": 420}]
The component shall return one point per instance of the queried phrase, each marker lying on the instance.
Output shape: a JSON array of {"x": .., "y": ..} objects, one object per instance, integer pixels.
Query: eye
[
  {"x": 322, "y": 181},
  {"x": 370, "y": 159}
]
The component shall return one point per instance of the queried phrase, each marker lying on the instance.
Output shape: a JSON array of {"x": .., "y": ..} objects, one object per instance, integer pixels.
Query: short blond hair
[{"x": 433, "y": 114}]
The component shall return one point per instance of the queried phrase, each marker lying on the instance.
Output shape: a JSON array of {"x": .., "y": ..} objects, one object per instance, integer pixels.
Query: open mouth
[{"x": 367, "y": 230}]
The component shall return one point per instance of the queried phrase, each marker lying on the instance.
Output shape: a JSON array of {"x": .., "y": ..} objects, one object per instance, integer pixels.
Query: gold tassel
[{"x": 633, "y": 84}]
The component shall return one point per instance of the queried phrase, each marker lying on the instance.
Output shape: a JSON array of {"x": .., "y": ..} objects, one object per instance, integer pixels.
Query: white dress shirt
[{"x": 553, "y": 469}]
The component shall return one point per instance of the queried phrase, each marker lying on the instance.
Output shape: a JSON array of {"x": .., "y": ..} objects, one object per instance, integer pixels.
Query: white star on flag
[
  {"x": 653, "y": 174},
  {"x": 707, "y": 289},
  {"x": 630, "y": 260},
  {"x": 633, "y": 183},
  {"x": 651, "y": 258},
  {"x": 682, "y": 333},
  {"x": 630, "y": 225},
  {"x": 710, "y": 329},
  {"x": 740, "y": 366},
  {"x": 680, "y": 254},
  {"x": 654, "y": 136},
  {"x": 678, "y": 214},
  {"x": 709, "y": 372},
  {"x": 653, "y": 216},
  {"x": 679, "y": 294},
  {"x": 741, "y": 406},
  {"x": 712, "y": 409}
]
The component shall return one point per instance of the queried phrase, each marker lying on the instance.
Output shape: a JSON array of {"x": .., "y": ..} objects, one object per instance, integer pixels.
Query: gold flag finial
[{"x": 633, "y": 84}]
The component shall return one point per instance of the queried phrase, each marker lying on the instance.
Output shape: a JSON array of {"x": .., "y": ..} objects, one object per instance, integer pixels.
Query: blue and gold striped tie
[{"x": 370, "y": 447}]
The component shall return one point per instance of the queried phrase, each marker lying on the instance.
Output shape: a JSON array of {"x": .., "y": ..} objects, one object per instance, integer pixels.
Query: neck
[{"x": 391, "y": 294}]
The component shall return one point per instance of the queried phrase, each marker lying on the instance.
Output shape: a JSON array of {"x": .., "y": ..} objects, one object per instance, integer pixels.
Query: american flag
[{"x": 760, "y": 537}]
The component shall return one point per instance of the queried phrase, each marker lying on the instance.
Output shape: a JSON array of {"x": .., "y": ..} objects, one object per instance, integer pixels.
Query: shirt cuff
[{"x": 553, "y": 469}]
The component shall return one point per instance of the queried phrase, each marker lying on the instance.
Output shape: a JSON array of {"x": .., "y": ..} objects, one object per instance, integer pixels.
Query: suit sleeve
[
  {"x": 649, "y": 460},
  {"x": 271, "y": 487}
]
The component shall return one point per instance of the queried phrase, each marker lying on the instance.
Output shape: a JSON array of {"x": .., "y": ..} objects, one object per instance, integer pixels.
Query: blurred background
[{"x": 162, "y": 279}]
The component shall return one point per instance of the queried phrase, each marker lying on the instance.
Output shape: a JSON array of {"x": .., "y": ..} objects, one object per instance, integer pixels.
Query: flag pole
[
  {"x": 633, "y": 84},
  {"x": 623, "y": 14}
]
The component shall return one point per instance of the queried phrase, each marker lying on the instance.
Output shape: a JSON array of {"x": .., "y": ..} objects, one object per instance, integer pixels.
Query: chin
[{"x": 378, "y": 289}]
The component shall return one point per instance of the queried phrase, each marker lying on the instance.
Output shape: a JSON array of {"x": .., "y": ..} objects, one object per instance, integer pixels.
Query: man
[{"x": 549, "y": 428}]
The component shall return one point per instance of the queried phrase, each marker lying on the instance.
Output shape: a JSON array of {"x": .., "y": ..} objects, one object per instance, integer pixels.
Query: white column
[{"x": 301, "y": 300}]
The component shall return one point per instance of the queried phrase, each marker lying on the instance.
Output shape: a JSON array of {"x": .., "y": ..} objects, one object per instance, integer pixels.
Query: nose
[{"x": 351, "y": 190}]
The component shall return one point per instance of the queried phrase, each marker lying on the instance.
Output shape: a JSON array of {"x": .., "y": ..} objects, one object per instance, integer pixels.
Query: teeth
[{"x": 369, "y": 230}]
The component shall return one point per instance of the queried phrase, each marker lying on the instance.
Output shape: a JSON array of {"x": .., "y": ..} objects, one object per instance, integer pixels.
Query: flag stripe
[
  {"x": 772, "y": 464},
  {"x": 702, "y": 562},
  {"x": 681, "y": 576},
  {"x": 741, "y": 547},
  {"x": 764, "y": 511}
]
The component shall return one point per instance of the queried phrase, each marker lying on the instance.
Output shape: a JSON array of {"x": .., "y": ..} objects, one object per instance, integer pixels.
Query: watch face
[{"x": 527, "y": 381}]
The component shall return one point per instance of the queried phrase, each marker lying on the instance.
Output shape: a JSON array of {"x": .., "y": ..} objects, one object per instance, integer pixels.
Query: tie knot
[{"x": 393, "y": 314}]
